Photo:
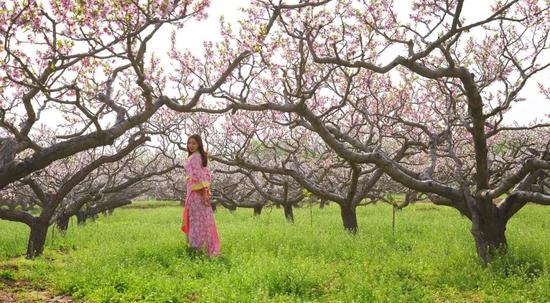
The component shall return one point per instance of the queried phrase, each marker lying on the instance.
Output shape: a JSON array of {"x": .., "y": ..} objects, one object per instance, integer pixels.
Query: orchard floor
[{"x": 139, "y": 255}]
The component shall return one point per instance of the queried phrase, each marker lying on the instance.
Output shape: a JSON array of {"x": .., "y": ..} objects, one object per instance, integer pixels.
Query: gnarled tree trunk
[
  {"x": 63, "y": 223},
  {"x": 349, "y": 218},
  {"x": 489, "y": 231},
  {"x": 81, "y": 217},
  {"x": 258, "y": 210},
  {"x": 37, "y": 238}
]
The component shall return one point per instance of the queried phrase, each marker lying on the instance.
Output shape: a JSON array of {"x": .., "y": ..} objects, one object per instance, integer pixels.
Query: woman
[{"x": 198, "y": 218}]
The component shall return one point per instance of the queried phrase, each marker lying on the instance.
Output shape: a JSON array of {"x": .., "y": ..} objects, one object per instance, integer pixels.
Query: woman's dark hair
[{"x": 204, "y": 154}]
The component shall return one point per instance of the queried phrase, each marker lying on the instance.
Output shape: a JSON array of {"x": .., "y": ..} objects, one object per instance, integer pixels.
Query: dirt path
[{"x": 23, "y": 291}]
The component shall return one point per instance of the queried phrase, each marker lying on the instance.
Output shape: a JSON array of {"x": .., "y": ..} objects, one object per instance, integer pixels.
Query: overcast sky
[{"x": 193, "y": 34}]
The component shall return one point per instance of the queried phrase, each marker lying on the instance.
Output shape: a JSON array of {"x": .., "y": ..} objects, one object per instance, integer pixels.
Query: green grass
[
  {"x": 13, "y": 239},
  {"x": 139, "y": 255}
]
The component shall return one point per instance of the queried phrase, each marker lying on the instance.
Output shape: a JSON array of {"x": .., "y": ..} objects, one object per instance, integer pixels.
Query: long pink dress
[{"x": 198, "y": 219}]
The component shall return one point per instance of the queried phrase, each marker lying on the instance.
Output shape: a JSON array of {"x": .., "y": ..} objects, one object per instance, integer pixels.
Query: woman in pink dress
[{"x": 198, "y": 217}]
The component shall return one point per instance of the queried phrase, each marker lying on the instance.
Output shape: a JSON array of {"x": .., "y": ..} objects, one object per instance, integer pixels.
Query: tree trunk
[
  {"x": 349, "y": 218},
  {"x": 489, "y": 233},
  {"x": 289, "y": 215},
  {"x": 258, "y": 210},
  {"x": 37, "y": 238},
  {"x": 81, "y": 217},
  {"x": 322, "y": 203},
  {"x": 63, "y": 223}
]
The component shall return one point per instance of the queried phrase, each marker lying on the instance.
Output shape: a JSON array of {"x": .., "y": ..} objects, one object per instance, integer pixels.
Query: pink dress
[{"x": 198, "y": 219}]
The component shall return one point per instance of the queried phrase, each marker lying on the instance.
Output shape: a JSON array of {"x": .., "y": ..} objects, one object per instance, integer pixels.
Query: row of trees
[
  {"x": 431, "y": 119},
  {"x": 347, "y": 100},
  {"x": 79, "y": 97}
]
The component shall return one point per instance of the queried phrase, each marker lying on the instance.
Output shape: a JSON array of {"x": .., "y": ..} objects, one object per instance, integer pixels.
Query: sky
[{"x": 194, "y": 33}]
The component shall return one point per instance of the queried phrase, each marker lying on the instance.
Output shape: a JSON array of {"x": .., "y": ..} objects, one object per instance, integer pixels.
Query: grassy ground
[{"x": 139, "y": 255}]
